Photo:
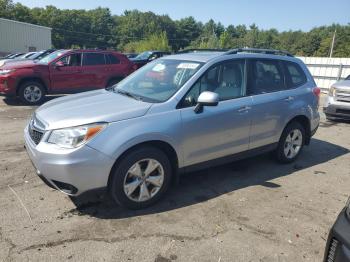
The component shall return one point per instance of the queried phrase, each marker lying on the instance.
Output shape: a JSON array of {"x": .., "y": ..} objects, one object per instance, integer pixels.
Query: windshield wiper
[{"x": 126, "y": 93}]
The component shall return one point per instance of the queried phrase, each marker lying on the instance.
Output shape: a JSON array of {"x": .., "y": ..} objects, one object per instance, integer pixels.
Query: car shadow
[
  {"x": 14, "y": 101},
  {"x": 202, "y": 186}
]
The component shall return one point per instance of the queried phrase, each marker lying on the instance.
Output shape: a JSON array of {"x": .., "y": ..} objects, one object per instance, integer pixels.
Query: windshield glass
[
  {"x": 144, "y": 55},
  {"x": 159, "y": 80},
  {"x": 47, "y": 59}
]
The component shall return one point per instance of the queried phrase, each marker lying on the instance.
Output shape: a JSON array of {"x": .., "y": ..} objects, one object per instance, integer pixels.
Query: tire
[
  {"x": 31, "y": 92},
  {"x": 291, "y": 144},
  {"x": 130, "y": 175}
]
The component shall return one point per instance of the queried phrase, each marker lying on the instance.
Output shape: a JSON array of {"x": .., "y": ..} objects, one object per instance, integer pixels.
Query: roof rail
[
  {"x": 196, "y": 50},
  {"x": 258, "y": 50}
]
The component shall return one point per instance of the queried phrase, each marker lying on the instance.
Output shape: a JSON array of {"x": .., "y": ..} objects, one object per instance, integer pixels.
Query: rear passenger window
[
  {"x": 111, "y": 59},
  {"x": 295, "y": 75},
  {"x": 265, "y": 76},
  {"x": 91, "y": 59}
]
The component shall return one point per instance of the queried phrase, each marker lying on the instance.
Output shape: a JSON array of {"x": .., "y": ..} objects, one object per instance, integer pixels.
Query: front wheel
[
  {"x": 291, "y": 143},
  {"x": 141, "y": 178},
  {"x": 31, "y": 92}
]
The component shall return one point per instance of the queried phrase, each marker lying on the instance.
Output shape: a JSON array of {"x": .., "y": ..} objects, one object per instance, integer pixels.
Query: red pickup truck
[{"x": 63, "y": 72}]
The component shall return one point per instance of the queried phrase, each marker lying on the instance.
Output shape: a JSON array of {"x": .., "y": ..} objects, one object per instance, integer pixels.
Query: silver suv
[
  {"x": 338, "y": 101},
  {"x": 174, "y": 115}
]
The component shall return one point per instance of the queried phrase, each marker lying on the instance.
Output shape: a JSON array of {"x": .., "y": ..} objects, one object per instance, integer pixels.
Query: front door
[
  {"x": 66, "y": 74},
  {"x": 219, "y": 130}
]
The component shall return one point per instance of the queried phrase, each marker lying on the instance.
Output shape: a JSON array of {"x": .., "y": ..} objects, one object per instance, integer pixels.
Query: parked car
[
  {"x": 147, "y": 56},
  {"x": 21, "y": 57},
  {"x": 28, "y": 56},
  {"x": 63, "y": 71},
  {"x": 338, "y": 101},
  {"x": 131, "y": 55},
  {"x": 174, "y": 115},
  {"x": 12, "y": 56},
  {"x": 338, "y": 243}
]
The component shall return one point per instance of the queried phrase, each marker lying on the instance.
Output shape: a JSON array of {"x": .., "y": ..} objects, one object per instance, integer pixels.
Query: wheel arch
[
  {"x": 165, "y": 147},
  {"x": 26, "y": 79},
  {"x": 305, "y": 122},
  {"x": 114, "y": 78}
]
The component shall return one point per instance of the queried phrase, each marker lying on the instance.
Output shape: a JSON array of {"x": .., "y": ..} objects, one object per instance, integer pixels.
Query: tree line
[{"x": 136, "y": 31}]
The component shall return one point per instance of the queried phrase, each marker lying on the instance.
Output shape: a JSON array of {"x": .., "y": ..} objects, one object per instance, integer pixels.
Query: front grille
[
  {"x": 332, "y": 250},
  {"x": 343, "y": 111},
  {"x": 342, "y": 95},
  {"x": 35, "y": 135}
]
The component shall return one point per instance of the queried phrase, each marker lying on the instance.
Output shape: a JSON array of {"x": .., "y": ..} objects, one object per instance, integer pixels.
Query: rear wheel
[
  {"x": 291, "y": 143},
  {"x": 141, "y": 178},
  {"x": 113, "y": 82},
  {"x": 31, "y": 92}
]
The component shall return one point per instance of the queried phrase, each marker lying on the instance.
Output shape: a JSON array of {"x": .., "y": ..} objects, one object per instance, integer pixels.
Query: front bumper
[
  {"x": 338, "y": 244},
  {"x": 7, "y": 86},
  {"x": 337, "y": 109},
  {"x": 72, "y": 171}
]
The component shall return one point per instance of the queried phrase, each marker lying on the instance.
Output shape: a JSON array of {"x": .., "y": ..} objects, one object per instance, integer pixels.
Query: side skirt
[{"x": 228, "y": 159}]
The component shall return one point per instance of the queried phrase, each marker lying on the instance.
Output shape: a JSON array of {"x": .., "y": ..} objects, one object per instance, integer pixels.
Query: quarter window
[
  {"x": 265, "y": 77},
  {"x": 296, "y": 76},
  {"x": 91, "y": 59}
]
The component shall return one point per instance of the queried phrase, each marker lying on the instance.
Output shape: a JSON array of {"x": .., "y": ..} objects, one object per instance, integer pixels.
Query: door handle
[
  {"x": 244, "y": 109},
  {"x": 289, "y": 98}
]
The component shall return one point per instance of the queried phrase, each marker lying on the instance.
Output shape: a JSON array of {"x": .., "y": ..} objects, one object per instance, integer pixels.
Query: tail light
[
  {"x": 134, "y": 67},
  {"x": 317, "y": 93}
]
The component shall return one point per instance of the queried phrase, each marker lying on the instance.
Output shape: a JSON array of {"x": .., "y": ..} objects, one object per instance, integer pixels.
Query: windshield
[
  {"x": 159, "y": 80},
  {"x": 144, "y": 55},
  {"x": 47, "y": 59}
]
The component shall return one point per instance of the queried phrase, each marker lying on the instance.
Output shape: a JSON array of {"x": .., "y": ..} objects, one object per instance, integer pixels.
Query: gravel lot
[{"x": 251, "y": 210}]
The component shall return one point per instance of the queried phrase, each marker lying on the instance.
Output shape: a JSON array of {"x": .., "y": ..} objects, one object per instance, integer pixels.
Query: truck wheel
[
  {"x": 31, "y": 92},
  {"x": 291, "y": 143},
  {"x": 141, "y": 178}
]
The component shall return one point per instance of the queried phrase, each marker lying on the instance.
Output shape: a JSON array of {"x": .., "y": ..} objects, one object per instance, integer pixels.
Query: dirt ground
[{"x": 251, "y": 210}]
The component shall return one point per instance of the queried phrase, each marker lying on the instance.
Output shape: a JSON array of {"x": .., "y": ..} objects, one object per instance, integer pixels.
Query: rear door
[
  {"x": 67, "y": 78},
  {"x": 95, "y": 70},
  {"x": 266, "y": 83},
  {"x": 117, "y": 67}
]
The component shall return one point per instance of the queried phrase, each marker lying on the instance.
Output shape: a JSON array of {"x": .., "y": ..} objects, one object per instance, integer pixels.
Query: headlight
[
  {"x": 332, "y": 91},
  {"x": 6, "y": 71},
  {"x": 348, "y": 208},
  {"x": 75, "y": 136}
]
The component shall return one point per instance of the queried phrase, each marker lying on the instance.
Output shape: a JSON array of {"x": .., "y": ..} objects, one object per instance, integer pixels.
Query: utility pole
[{"x": 332, "y": 46}]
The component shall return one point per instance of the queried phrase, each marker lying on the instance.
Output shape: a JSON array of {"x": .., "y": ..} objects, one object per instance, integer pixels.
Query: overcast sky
[{"x": 266, "y": 14}]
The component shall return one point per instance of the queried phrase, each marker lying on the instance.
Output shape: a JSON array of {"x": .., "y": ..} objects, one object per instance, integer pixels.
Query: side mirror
[
  {"x": 60, "y": 64},
  {"x": 206, "y": 98}
]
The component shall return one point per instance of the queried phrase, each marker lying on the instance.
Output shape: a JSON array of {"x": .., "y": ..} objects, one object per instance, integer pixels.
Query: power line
[{"x": 122, "y": 37}]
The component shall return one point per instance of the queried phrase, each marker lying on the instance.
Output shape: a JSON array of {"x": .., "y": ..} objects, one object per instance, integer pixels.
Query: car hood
[
  {"x": 16, "y": 64},
  {"x": 342, "y": 85},
  {"x": 89, "y": 107}
]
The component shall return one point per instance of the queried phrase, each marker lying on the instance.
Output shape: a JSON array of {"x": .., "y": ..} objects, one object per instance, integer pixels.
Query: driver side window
[
  {"x": 226, "y": 79},
  {"x": 71, "y": 60}
]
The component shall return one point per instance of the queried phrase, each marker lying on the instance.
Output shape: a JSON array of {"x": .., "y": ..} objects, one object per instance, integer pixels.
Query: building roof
[{"x": 28, "y": 24}]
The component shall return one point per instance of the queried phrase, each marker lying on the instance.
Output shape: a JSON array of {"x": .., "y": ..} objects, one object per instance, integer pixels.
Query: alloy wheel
[
  {"x": 143, "y": 180},
  {"x": 32, "y": 93},
  {"x": 293, "y": 143}
]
